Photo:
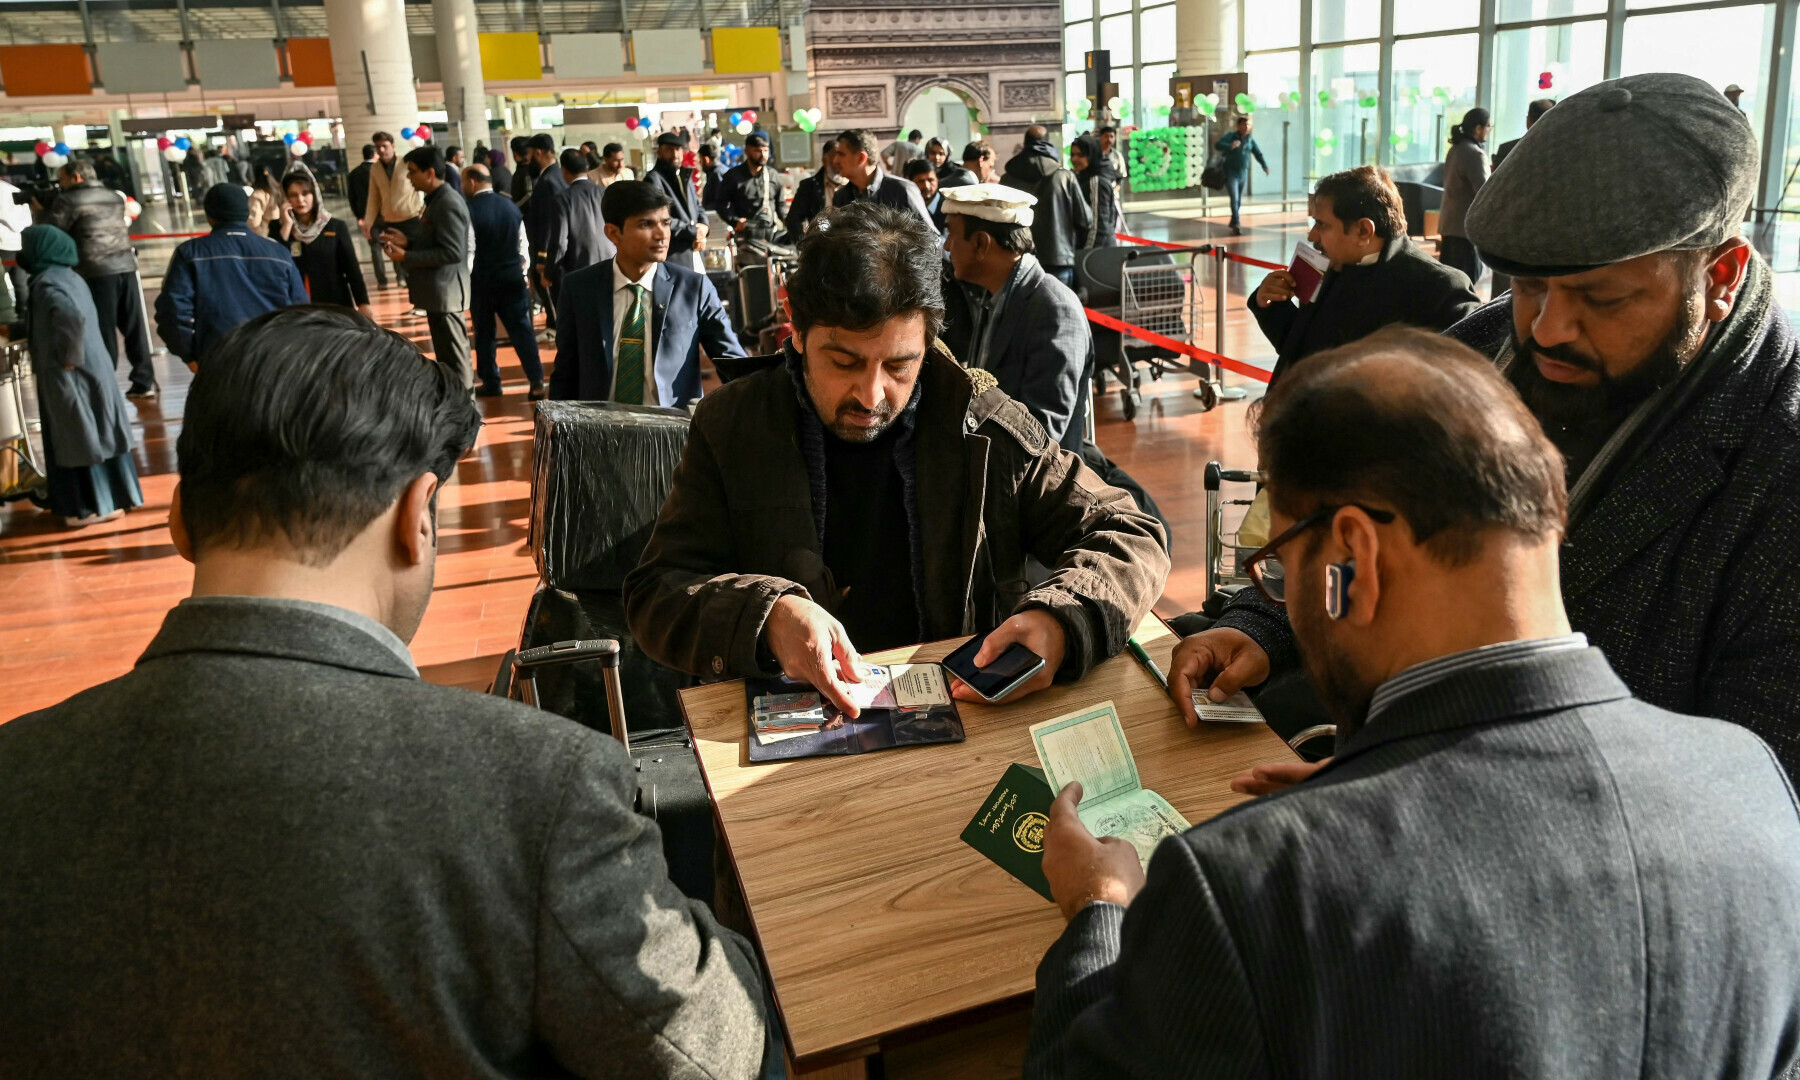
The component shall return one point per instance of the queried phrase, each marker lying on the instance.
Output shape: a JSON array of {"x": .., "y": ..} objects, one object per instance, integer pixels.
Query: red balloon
[
  {"x": 631, "y": 123},
  {"x": 43, "y": 148},
  {"x": 1544, "y": 80},
  {"x": 306, "y": 137},
  {"x": 163, "y": 142},
  {"x": 422, "y": 132}
]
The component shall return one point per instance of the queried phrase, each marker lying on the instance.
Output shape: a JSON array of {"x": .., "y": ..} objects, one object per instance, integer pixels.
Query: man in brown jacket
[{"x": 862, "y": 489}]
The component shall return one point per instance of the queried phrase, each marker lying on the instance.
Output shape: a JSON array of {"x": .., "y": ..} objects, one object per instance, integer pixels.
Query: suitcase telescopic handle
[{"x": 603, "y": 650}]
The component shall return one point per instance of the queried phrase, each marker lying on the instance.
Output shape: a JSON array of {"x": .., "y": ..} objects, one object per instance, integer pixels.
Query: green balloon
[
  {"x": 1367, "y": 102},
  {"x": 1245, "y": 102},
  {"x": 1205, "y": 106},
  {"x": 1325, "y": 98}
]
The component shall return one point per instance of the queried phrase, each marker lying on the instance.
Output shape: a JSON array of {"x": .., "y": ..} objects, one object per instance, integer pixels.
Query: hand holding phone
[{"x": 1019, "y": 657}]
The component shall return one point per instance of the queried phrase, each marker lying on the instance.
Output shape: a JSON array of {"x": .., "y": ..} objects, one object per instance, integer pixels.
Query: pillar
[
  {"x": 459, "y": 61},
  {"x": 372, "y": 59},
  {"x": 1206, "y": 32}
]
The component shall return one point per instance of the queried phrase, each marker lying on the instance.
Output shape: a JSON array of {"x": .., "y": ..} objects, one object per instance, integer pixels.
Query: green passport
[{"x": 1009, "y": 827}]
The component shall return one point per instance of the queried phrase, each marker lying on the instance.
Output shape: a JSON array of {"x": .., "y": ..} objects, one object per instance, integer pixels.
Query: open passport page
[
  {"x": 900, "y": 705},
  {"x": 1087, "y": 746}
]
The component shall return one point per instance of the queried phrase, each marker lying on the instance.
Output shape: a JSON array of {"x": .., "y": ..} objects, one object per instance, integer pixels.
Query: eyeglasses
[{"x": 1264, "y": 566}]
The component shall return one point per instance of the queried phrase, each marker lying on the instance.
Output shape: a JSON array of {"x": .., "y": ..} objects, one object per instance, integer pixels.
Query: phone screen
[{"x": 997, "y": 678}]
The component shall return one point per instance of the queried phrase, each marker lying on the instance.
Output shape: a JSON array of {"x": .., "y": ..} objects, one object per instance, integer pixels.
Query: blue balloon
[
  {"x": 406, "y": 133},
  {"x": 184, "y": 143},
  {"x": 288, "y": 138},
  {"x": 62, "y": 148},
  {"x": 736, "y": 118}
]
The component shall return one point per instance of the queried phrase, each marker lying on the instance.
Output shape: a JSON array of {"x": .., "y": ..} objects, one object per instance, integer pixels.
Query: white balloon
[
  {"x": 54, "y": 160},
  {"x": 642, "y": 131},
  {"x": 173, "y": 153},
  {"x": 297, "y": 148},
  {"x": 745, "y": 127}
]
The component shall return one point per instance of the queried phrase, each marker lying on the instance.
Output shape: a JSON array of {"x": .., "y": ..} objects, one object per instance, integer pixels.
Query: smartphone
[{"x": 1000, "y": 678}]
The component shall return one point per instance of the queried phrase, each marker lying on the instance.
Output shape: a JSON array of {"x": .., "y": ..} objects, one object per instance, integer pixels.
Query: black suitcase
[{"x": 670, "y": 791}]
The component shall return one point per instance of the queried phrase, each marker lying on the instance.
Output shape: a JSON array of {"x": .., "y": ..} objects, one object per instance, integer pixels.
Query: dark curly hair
[{"x": 864, "y": 265}]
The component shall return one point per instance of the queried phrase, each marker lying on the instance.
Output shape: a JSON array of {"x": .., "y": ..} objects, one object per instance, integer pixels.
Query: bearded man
[{"x": 1644, "y": 334}]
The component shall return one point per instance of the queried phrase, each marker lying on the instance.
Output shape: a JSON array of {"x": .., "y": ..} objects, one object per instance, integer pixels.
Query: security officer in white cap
[
  {"x": 1644, "y": 333},
  {"x": 1018, "y": 322}
]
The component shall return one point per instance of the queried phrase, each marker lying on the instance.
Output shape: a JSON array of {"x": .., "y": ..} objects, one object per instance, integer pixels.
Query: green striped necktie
[{"x": 628, "y": 387}]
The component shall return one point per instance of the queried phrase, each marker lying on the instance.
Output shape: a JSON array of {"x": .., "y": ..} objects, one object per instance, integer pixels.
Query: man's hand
[
  {"x": 1278, "y": 287},
  {"x": 1081, "y": 869},
  {"x": 1038, "y": 631},
  {"x": 813, "y": 648},
  {"x": 1265, "y": 169},
  {"x": 364, "y": 226},
  {"x": 741, "y": 226},
  {"x": 1223, "y": 659},
  {"x": 1268, "y": 779},
  {"x": 393, "y": 238}
]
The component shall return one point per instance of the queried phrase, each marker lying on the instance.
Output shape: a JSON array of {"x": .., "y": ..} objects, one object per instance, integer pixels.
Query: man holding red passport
[{"x": 1376, "y": 276}]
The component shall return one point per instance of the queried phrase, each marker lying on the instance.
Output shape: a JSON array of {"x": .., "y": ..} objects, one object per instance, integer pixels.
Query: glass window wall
[
  {"x": 1543, "y": 62},
  {"x": 1507, "y": 11},
  {"x": 1346, "y": 20},
  {"x": 1271, "y": 76},
  {"x": 1721, "y": 46},
  {"x": 1344, "y": 113},
  {"x": 1272, "y": 24},
  {"x": 1434, "y": 84},
  {"x": 1424, "y": 16}
]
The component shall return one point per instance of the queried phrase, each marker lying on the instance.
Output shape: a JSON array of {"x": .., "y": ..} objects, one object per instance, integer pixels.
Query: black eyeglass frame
[{"x": 1253, "y": 564}]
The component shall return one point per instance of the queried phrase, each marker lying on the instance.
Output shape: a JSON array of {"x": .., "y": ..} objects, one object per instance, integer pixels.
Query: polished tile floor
[{"x": 78, "y": 607}]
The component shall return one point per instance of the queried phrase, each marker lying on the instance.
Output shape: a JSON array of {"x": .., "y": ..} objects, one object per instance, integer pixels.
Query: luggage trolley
[
  {"x": 20, "y": 475},
  {"x": 1224, "y": 556},
  {"x": 1158, "y": 289}
]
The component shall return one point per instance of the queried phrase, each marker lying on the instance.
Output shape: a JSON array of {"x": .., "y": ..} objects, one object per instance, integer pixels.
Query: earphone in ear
[{"x": 1338, "y": 576}]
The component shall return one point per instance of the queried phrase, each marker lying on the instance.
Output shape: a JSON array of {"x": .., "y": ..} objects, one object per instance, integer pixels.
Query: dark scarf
[
  {"x": 812, "y": 451},
  {"x": 1043, "y": 148}
]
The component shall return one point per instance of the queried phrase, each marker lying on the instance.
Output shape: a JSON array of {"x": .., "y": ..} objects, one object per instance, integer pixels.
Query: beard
[
  {"x": 1344, "y": 692},
  {"x": 838, "y": 420}
]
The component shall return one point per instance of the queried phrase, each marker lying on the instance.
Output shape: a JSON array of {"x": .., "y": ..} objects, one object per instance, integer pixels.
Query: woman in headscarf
[
  {"x": 1100, "y": 186},
  {"x": 322, "y": 246},
  {"x": 1465, "y": 170},
  {"x": 87, "y": 432}
]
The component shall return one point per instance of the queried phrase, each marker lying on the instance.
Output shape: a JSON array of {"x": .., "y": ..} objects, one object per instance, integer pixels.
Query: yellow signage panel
[
  {"x": 746, "y": 50},
  {"x": 511, "y": 56}
]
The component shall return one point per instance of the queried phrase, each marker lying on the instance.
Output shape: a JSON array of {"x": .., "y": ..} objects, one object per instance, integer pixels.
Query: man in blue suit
[
  {"x": 633, "y": 325},
  {"x": 497, "y": 288}
]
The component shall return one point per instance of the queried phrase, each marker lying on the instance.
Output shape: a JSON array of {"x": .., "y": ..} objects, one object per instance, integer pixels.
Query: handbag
[{"x": 1213, "y": 176}]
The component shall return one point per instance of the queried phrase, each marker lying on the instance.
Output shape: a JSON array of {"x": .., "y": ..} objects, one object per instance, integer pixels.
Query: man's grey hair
[{"x": 80, "y": 170}]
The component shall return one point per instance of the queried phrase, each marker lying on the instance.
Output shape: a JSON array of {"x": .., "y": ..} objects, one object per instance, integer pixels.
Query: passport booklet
[
  {"x": 1087, "y": 746},
  {"x": 900, "y": 705}
]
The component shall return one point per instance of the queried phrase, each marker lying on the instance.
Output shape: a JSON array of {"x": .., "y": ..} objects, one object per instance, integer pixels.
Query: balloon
[
  {"x": 1325, "y": 98},
  {"x": 1545, "y": 79},
  {"x": 422, "y": 133},
  {"x": 750, "y": 115},
  {"x": 1368, "y": 100},
  {"x": 736, "y": 119},
  {"x": 643, "y": 131},
  {"x": 407, "y": 134},
  {"x": 184, "y": 143},
  {"x": 306, "y": 137},
  {"x": 815, "y": 115},
  {"x": 163, "y": 142},
  {"x": 297, "y": 148},
  {"x": 288, "y": 138},
  {"x": 1205, "y": 106},
  {"x": 1245, "y": 103},
  {"x": 170, "y": 153},
  {"x": 54, "y": 160},
  {"x": 745, "y": 127},
  {"x": 62, "y": 149},
  {"x": 631, "y": 123},
  {"x": 132, "y": 208},
  {"x": 42, "y": 148}
]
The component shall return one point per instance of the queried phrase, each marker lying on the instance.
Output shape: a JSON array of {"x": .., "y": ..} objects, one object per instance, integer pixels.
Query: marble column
[
  {"x": 459, "y": 62},
  {"x": 372, "y": 59},
  {"x": 1206, "y": 36}
]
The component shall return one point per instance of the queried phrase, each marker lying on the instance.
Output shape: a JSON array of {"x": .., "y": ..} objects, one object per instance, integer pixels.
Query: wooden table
[{"x": 874, "y": 916}]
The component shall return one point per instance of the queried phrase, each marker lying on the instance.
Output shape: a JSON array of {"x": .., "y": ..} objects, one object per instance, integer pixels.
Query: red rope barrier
[
  {"x": 1248, "y": 261},
  {"x": 1182, "y": 347}
]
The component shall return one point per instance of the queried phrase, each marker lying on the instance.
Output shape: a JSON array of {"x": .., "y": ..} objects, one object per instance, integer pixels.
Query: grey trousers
[{"x": 450, "y": 343}]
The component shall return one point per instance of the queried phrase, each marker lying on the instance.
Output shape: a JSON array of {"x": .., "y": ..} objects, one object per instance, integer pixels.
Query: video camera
[{"x": 44, "y": 191}]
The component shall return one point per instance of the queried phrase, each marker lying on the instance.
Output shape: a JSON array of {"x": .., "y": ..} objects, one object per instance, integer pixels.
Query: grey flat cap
[{"x": 1646, "y": 163}]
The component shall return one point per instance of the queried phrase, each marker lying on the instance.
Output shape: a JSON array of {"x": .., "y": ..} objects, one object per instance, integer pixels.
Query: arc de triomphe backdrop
[{"x": 870, "y": 60}]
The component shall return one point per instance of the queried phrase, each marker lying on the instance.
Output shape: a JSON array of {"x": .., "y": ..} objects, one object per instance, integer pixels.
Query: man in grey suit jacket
[
  {"x": 577, "y": 238},
  {"x": 272, "y": 849},
  {"x": 1509, "y": 868},
  {"x": 437, "y": 261}
]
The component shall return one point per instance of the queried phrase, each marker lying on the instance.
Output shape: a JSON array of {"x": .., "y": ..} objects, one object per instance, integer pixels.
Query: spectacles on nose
[{"x": 1264, "y": 566}]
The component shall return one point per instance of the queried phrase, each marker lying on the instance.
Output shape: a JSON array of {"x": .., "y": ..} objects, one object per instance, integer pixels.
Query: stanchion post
[
  {"x": 1285, "y": 124},
  {"x": 1226, "y": 393}
]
